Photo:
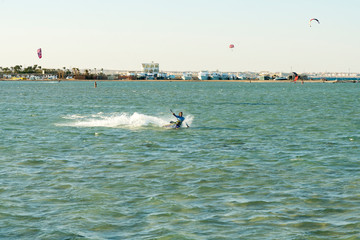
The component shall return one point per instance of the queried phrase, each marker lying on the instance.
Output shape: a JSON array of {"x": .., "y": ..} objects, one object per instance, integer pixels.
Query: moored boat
[
  {"x": 203, "y": 75},
  {"x": 186, "y": 76}
]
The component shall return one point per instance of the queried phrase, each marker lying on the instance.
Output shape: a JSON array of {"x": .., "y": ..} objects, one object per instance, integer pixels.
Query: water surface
[{"x": 259, "y": 161}]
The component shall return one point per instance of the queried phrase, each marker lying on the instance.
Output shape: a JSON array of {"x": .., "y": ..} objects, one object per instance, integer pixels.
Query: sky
[{"x": 187, "y": 35}]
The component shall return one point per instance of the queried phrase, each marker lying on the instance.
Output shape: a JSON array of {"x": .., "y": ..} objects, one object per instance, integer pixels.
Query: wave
[{"x": 118, "y": 120}]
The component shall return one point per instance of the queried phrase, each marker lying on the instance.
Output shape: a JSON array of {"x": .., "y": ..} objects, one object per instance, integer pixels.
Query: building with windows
[{"x": 150, "y": 68}]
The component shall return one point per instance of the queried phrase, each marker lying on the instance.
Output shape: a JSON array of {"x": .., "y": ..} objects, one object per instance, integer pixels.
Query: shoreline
[{"x": 180, "y": 80}]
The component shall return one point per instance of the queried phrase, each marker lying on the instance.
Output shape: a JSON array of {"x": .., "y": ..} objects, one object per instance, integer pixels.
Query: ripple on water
[{"x": 254, "y": 164}]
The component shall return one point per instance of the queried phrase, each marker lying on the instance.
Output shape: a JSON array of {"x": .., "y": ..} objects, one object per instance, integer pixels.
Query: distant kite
[
  {"x": 231, "y": 46},
  {"x": 39, "y": 53},
  {"x": 313, "y": 19}
]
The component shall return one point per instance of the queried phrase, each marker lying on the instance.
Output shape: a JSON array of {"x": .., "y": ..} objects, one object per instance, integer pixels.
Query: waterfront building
[{"x": 150, "y": 68}]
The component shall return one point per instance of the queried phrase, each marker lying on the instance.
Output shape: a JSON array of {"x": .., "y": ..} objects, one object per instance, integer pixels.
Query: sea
[{"x": 258, "y": 160}]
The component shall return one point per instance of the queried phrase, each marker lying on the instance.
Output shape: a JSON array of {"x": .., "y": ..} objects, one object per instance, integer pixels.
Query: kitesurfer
[{"x": 180, "y": 119}]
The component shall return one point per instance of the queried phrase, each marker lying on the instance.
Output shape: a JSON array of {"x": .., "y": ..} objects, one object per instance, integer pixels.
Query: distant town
[{"x": 151, "y": 71}]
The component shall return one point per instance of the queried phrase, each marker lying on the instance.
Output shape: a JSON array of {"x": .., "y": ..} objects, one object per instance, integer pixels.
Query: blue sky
[{"x": 271, "y": 35}]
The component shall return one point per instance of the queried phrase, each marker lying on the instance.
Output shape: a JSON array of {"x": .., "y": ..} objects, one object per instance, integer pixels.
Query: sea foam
[{"x": 118, "y": 120}]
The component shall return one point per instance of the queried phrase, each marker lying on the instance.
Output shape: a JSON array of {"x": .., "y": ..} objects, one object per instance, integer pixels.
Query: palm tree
[
  {"x": 17, "y": 68},
  {"x": 6, "y": 70}
]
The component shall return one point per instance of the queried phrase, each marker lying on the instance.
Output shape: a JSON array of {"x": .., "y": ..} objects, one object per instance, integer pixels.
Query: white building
[{"x": 150, "y": 67}]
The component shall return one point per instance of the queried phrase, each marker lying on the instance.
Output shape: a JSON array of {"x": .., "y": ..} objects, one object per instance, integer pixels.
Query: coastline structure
[{"x": 151, "y": 72}]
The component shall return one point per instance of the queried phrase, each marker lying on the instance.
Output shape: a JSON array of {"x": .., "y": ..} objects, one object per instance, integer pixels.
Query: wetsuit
[{"x": 179, "y": 120}]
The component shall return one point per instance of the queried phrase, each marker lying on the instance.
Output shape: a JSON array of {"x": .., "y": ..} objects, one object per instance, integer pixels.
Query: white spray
[{"x": 119, "y": 120}]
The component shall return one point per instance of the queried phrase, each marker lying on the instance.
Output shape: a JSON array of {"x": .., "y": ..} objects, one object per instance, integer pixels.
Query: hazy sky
[{"x": 272, "y": 35}]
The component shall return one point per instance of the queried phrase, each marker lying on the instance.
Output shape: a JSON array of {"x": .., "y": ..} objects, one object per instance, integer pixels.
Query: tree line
[{"x": 35, "y": 69}]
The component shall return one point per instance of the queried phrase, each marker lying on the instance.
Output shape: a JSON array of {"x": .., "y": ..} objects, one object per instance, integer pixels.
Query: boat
[
  {"x": 171, "y": 77},
  {"x": 186, "y": 76},
  {"x": 141, "y": 76},
  {"x": 280, "y": 78},
  {"x": 225, "y": 76},
  {"x": 232, "y": 77},
  {"x": 215, "y": 76},
  {"x": 162, "y": 75},
  {"x": 241, "y": 77},
  {"x": 203, "y": 75},
  {"x": 150, "y": 76}
]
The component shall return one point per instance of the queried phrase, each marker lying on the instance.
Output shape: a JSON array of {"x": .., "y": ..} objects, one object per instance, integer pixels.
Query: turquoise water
[{"x": 259, "y": 161}]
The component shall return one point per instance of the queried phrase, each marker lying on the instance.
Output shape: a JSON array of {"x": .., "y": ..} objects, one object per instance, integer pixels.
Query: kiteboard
[{"x": 171, "y": 125}]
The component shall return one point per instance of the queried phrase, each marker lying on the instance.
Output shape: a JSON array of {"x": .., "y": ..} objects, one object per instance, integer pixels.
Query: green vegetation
[{"x": 18, "y": 69}]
